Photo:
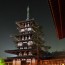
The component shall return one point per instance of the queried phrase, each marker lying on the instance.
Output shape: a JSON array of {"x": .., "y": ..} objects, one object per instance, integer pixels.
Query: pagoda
[
  {"x": 30, "y": 46},
  {"x": 28, "y": 52}
]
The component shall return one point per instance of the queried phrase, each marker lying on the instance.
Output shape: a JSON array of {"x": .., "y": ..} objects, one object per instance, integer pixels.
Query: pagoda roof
[
  {"x": 25, "y": 21},
  {"x": 45, "y": 56},
  {"x": 57, "y": 8},
  {"x": 21, "y": 34},
  {"x": 17, "y": 37},
  {"x": 19, "y": 23},
  {"x": 16, "y": 52},
  {"x": 54, "y": 55},
  {"x": 22, "y": 40},
  {"x": 22, "y": 57}
]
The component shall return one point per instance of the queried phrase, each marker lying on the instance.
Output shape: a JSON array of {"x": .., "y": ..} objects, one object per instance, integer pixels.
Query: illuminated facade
[
  {"x": 54, "y": 58},
  {"x": 26, "y": 54}
]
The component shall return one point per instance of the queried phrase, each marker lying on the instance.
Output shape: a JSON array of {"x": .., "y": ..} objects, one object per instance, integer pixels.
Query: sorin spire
[{"x": 27, "y": 13}]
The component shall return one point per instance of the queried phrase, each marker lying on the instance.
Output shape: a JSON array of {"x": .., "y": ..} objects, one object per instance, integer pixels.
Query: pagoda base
[{"x": 24, "y": 62}]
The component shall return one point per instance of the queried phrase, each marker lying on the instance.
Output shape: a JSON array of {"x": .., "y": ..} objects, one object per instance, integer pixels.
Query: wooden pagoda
[
  {"x": 29, "y": 46},
  {"x": 28, "y": 52}
]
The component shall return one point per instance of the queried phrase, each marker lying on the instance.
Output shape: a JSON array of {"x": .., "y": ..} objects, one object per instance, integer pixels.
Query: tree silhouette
[{"x": 38, "y": 38}]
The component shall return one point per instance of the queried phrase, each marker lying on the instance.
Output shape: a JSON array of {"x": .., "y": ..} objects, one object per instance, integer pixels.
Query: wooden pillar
[
  {"x": 8, "y": 63},
  {"x": 18, "y": 62},
  {"x": 14, "y": 62},
  {"x": 40, "y": 62},
  {"x": 33, "y": 62}
]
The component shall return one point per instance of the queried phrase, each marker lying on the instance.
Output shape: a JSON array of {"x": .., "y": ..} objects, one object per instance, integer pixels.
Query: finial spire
[{"x": 27, "y": 13}]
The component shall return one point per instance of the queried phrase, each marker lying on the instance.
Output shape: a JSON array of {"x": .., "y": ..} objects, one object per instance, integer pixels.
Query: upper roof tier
[{"x": 25, "y": 23}]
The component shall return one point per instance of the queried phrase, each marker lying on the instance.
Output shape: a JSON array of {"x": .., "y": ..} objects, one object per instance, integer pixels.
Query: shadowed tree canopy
[{"x": 38, "y": 37}]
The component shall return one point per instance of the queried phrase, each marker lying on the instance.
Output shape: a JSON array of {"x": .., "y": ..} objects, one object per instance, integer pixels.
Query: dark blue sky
[{"x": 12, "y": 11}]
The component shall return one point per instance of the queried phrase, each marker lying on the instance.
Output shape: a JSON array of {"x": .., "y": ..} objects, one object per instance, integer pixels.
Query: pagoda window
[
  {"x": 25, "y": 25},
  {"x": 23, "y": 38},
  {"x": 29, "y": 29},
  {"x": 25, "y": 47},
  {"x": 30, "y": 43},
  {"x": 19, "y": 43},
  {"x": 21, "y": 48},
  {"x": 25, "y": 53},
  {"x": 24, "y": 42},
  {"x": 26, "y": 38},
  {"x": 22, "y": 30},
  {"x": 29, "y": 37},
  {"x": 26, "y": 29},
  {"x": 28, "y": 24},
  {"x": 28, "y": 60},
  {"x": 20, "y": 54},
  {"x": 29, "y": 53}
]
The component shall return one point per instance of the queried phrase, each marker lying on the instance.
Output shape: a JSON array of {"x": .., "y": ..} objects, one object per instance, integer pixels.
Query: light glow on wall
[
  {"x": 28, "y": 60},
  {"x": 22, "y": 30},
  {"x": 33, "y": 60},
  {"x": 62, "y": 64},
  {"x": 19, "y": 43}
]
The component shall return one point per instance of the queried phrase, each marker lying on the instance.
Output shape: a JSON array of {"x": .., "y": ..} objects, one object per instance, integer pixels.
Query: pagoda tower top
[{"x": 27, "y": 13}]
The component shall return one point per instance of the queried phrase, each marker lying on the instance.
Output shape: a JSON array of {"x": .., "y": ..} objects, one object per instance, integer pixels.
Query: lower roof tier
[
  {"x": 22, "y": 57},
  {"x": 17, "y": 51},
  {"x": 25, "y": 57},
  {"x": 45, "y": 56}
]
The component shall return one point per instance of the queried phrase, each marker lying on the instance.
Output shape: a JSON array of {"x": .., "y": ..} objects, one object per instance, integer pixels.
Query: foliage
[
  {"x": 38, "y": 37},
  {"x": 39, "y": 41},
  {"x": 2, "y": 62}
]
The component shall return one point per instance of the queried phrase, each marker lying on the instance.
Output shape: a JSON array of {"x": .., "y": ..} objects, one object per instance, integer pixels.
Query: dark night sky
[{"x": 12, "y": 11}]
